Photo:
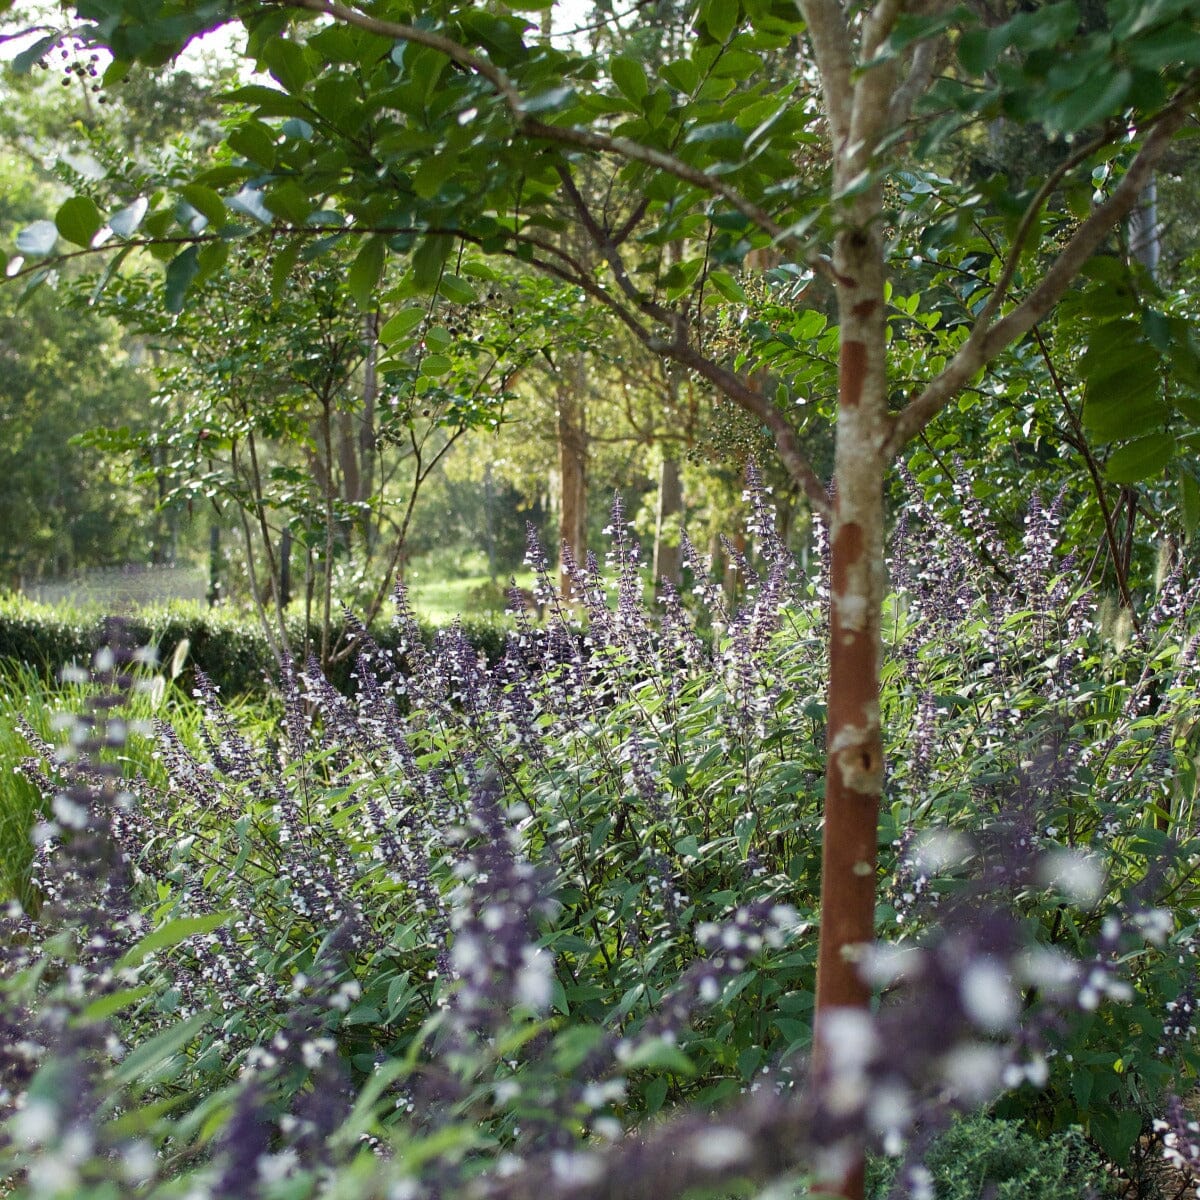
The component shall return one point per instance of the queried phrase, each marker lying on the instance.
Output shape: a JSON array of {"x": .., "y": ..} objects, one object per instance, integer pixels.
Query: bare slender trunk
[
  {"x": 1145, "y": 236},
  {"x": 572, "y": 465},
  {"x": 670, "y": 505},
  {"x": 367, "y": 445}
]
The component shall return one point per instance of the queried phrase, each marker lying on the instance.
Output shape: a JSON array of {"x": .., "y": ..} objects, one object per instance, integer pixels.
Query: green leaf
[
  {"x": 22, "y": 63},
  {"x": 153, "y": 1053},
  {"x": 1116, "y": 1131},
  {"x": 206, "y": 202},
  {"x": 171, "y": 934},
  {"x": 1176, "y": 45},
  {"x": 1140, "y": 459},
  {"x": 249, "y": 201},
  {"x": 655, "y": 1095},
  {"x": 630, "y": 77},
  {"x": 573, "y": 1045},
  {"x": 433, "y": 172},
  {"x": 1110, "y": 419},
  {"x": 976, "y": 51},
  {"x": 255, "y": 141},
  {"x": 404, "y": 322},
  {"x": 114, "y": 265},
  {"x": 79, "y": 220},
  {"x": 682, "y": 75},
  {"x": 281, "y": 267},
  {"x": 362, "y": 1116},
  {"x": 434, "y": 366},
  {"x": 428, "y": 259},
  {"x": 289, "y": 201},
  {"x": 743, "y": 829},
  {"x": 38, "y": 239},
  {"x": 458, "y": 289},
  {"x": 550, "y": 100},
  {"x": 658, "y": 1055},
  {"x": 1098, "y": 96},
  {"x": 362, "y": 279},
  {"x": 288, "y": 62},
  {"x": 1189, "y": 503},
  {"x": 106, "y": 1006},
  {"x": 719, "y": 17},
  {"x": 181, "y": 270}
]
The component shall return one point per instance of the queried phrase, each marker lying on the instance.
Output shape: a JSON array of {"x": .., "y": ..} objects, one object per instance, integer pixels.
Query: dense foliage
[
  {"x": 463, "y": 931},
  {"x": 229, "y": 647}
]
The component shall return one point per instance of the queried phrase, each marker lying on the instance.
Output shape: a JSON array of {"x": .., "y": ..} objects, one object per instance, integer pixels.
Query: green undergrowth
[
  {"x": 30, "y": 701},
  {"x": 228, "y": 645}
]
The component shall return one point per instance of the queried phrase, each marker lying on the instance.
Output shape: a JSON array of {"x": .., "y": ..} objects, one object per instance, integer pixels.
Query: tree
[{"x": 457, "y": 131}]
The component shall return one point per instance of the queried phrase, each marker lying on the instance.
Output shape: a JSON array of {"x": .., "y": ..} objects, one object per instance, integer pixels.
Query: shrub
[
  {"x": 230, "y": 648},
  {"x": 479, "y": 921},
  {"x": 982, "y": 1156}
]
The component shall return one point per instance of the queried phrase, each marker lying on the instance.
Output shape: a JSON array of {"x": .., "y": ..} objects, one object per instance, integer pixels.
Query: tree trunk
[
  {"x": 366, "y": 433},
  {"x": 285, "y": 567},
  {"x": 1145, "y": 241},
  {"x": 854, "y": 765},
  {"x": 670, "y": 505},
  {"x": 572, "y": 466}
]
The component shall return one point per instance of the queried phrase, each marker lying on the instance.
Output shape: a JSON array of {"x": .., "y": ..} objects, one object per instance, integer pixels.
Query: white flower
[
  {"x": 535, "y": 979},
  {"x": 70, "y": 812},
  {"x": 575, "y": 1169},
  {"x": 1077, "y": 875},
  {"x": 973, "y": 1071},
  {"x": 36, "y": 1123},
  {"x": 720, "y": 1148},
  {"x": 988, "y": 995}
]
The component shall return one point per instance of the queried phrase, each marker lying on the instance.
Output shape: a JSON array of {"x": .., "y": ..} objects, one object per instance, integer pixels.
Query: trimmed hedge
[{"x": 230, "y": 648}]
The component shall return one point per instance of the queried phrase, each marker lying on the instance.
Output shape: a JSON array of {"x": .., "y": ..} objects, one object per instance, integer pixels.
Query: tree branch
[
  {"x": 559, "y": 134},
  {"x": 420, "y": 37},
  {"x": 680, "y": 349},
  {"x": 1080, "y": 440},
  {"x": 830, "y": 39},
  {"x": 787, "y": 445},
  {"x": 916, "y": 82},
  {"x": 988, "y": 340}
]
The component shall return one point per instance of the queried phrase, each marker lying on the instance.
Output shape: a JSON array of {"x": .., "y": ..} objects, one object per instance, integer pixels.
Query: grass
[
  {"x": 439, "y": 599},
  {"x": 46, "y": 706}
]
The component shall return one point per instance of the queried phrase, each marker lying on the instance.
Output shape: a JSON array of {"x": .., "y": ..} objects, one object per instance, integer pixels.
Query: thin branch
[
  {"x": 916, "y": 82},
  {"x": 1110, "y": 532},
  {"x": 586, "y": 139},
  {"x": 830, "y": 38},
  {"x": 420, "y": 37},
  {"x": 681, "y": 351},
  {"x": 987, "y": 341},
  {"x": 1029, "y": 219},
  {"x": 878, "y": 26}
]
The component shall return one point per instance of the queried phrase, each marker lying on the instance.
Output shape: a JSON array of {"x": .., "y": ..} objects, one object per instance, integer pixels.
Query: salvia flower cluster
[{"x": 462, "y": 931}]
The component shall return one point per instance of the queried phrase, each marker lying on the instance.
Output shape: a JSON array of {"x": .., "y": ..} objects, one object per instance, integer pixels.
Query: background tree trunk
[
  {"x": 670, "y": 505},
  {"x": 572, "y": 463}
]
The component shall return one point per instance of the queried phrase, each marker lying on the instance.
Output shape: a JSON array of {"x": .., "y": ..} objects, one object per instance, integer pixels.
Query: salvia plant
[{"x": 465, "y": 930}]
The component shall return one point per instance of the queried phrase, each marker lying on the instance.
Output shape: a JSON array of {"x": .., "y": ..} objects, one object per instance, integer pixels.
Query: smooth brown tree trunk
[
  {"x": 854, "y": 764},
  {"x": 670, "y": 505},
  {"x": 572, "y": 467}
]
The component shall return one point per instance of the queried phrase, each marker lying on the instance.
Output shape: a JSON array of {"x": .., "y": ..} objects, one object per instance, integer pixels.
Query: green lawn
[{"x": 439, "y": 599}]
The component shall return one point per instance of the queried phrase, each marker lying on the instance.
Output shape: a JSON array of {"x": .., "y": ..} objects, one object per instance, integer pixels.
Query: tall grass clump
[{"x": 477, "y": 931}]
